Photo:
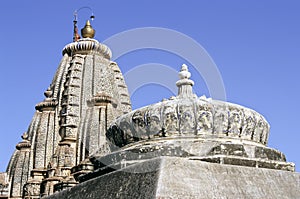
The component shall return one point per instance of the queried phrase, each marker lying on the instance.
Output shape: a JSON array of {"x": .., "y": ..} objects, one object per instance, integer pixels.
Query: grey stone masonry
[{"x": 175, "y": 177}]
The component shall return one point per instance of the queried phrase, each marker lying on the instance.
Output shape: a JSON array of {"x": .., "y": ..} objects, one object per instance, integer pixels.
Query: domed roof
[{"x": 189, "y": 116}]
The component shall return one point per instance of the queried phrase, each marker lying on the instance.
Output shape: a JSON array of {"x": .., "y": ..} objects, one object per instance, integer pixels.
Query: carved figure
[
  {"x": 221, "y": 121},
  {"x": 153, "y": 120},
  {"x": 205, "y": 119},
  {"x": 249, "y": 125},
  {"x": 186, "y": 119},
  {"x": 170, "y": 120},
  {"x": 235, "y": 122}
]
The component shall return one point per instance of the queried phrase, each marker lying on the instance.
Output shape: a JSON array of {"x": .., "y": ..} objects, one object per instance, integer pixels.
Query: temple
[{"x": 84, "y": 141}]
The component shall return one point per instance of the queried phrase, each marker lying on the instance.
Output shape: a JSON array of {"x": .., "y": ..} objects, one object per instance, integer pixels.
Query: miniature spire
[
  {"x": 185, "y": 84},
  {"x": 25, "y": 143},
  {"x": 88, "y": 31},
  {"x": 24, "y": 136}
]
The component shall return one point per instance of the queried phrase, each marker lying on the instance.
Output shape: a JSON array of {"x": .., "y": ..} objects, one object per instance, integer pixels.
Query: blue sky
[{"x": 255, "y": 45}]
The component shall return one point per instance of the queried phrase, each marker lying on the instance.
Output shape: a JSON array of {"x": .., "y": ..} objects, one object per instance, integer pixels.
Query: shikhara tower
[
  {"x": 85, "y": 132},
  {"x": 87, "y": 92}
]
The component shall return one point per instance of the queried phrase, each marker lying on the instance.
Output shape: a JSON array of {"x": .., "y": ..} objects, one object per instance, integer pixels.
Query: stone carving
[
  {"x": 87, "y": 44},
  {"x": 235, "y": 121},
  {"x": 170, "y": 119},
  {"x": 221, "y": 119},
  {"x": 186, "y": 118},
  {"x": 153, "y": 120},
  {"x": 176, "y": 116},
  {"x": 249, "y": 125},
  {"x": 264, "y": 136},
  {"x": 49, "y": 103},
  {"x": 205, "y": 118},
  {"x": 85, "y": 72},
  {"x": 259, "y": 130},
  {"x": 139, "y": 123},
  {"x": 31, "y": 190}
]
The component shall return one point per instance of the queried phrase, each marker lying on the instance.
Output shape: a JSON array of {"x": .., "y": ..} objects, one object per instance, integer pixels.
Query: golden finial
[{"x": 88, "y": 31}]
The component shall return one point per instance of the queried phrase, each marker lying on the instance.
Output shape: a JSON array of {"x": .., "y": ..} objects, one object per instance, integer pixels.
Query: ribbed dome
[
  {"x": 192, "y": 127},
  {"x": 186, "y": 115}
]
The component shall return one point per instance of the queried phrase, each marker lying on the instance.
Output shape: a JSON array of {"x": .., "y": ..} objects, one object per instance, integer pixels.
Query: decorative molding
[{"x": 85, "y": 46}]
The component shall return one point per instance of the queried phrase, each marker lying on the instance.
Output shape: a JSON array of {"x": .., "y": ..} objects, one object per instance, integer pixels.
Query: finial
[
  {"x": 184, "y": 72},
  {"x": 48, "y": 92},
  {"x": 88, "y": 31},
  {"x": 25, "y": 143},
  {"x": 185, "y": 84},
  {"x": 24, "y": 136},
  {"x": 76, "y": 36}
]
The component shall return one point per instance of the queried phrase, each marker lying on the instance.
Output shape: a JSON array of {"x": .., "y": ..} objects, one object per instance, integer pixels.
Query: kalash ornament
[{"x": 87, "y": 31}]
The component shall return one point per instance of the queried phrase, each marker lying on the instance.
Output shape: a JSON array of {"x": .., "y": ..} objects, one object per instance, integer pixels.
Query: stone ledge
[
  {"x": 175, "y": 177},
  {"x": 218, "y": 151}
]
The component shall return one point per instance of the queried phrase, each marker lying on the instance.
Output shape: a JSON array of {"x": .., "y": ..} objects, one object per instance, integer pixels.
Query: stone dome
[
  {"x": 197, "y": 128},
  {"x": 189, "y": 116}
]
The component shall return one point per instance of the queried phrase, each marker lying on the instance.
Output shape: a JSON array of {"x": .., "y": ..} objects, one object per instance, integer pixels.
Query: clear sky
[{"x": 254, "y": 44}]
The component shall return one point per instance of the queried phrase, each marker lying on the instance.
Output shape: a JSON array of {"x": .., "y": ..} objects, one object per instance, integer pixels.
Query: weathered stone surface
[
  {"x": 171, "y": 177},
  {"x": 186, "y": 115},
  {"x": 70, "y": 123},
  {"x": 223, "y": 151},
  {"x": 139, "y": 181}
]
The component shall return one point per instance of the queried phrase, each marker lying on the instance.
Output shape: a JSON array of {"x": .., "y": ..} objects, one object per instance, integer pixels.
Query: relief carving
[
  {"x": 186, "y": 119},
  {"x": 235, "y": 121},
  {"x": 153, "y": 120},
  {"x": 221, "y": 120},
  {"x": 170, "y": 119},
  {"x": 205, "y": 119},
  {"x": 139, "y": 124},
  {"x": 249, "y": 125},
  {"x": 31, "y": 189},
  {"x": 265, "y": 134},
  {"x": 259, "y": 130}
]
